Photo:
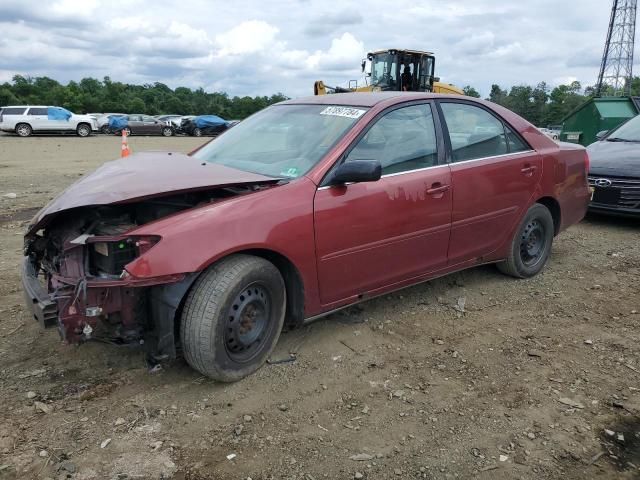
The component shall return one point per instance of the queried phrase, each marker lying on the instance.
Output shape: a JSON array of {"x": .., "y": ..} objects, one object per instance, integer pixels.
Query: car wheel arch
[
  {"x": 554, "y": 208},
  {"x": 293, "y": 280}
]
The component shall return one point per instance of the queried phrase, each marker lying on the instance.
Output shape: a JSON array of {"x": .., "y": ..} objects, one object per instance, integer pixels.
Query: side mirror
[
  {"x": 357, "y": 171},
  {"x": 601, "y": 134}
]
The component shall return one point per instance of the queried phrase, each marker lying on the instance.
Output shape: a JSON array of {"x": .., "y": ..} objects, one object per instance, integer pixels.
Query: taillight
[{"x": 587, "y": 162}]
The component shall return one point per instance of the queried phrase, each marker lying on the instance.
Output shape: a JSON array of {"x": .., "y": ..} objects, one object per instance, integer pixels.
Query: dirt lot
[{"x": 474, "y": 375}]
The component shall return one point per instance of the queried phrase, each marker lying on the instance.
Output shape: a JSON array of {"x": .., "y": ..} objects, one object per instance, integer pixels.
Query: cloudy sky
[{"x": 260, "y": 47}]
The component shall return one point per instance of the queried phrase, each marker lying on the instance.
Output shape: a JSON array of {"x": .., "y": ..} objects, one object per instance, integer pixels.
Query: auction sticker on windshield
[{"x": 343, "y": 112}]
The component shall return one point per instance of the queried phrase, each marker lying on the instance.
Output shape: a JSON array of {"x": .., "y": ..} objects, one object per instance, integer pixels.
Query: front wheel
[
  {"x": 197, "y": 132},
  {"x": 232, "y": 317},
  {"x": 531, "y": 244},
  {"x": 83, "y": 130}
]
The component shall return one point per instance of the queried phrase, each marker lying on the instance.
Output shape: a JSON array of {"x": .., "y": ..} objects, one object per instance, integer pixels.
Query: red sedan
[{"x": 306, "y": 207}]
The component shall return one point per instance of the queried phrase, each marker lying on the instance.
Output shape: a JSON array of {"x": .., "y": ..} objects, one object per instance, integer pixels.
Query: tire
[
  {"x": 197, "y": 132},
  {"x": 23, "y": 130},
  {"x": 230, "y": 293},
  {"x": 83, "y": 130},
  {"x": 127, "y": 130},
  {"x": 167, "y": 131},
  {"x": 105, "y": 129},
  {"x": 531, "y": 245}
]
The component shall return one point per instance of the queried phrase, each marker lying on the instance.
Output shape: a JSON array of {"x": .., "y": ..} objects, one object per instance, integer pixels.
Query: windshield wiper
[{"x": 618, "y": 139}]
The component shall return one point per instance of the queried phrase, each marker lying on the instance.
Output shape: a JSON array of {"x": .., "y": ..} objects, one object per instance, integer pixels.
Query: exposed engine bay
[{"x": 79, "y": 256}]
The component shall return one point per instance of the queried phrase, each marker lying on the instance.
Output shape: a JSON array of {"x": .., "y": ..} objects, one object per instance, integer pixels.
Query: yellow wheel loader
[{"x": 395, "y": 70}]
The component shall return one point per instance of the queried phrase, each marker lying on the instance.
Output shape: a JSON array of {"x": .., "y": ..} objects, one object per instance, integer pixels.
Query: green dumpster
[{"x": 595, "y": 115}]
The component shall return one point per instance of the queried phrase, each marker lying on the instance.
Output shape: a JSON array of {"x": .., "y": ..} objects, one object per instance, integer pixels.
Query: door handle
[
  {"x": 528, "y": 170},
  {"x": 437, "y": 188}
]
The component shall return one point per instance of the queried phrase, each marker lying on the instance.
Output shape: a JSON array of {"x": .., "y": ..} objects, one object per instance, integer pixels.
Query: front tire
[
  {"x": 531, "y": 245},
  {"x": 232, "y": 317},
  {"x": 24, "y": 130},
  {"x": 197, "y": 132},
  {"x": 83, "y": 130}
]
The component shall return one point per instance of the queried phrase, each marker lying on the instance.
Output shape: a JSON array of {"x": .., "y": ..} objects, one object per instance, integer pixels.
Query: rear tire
[
  {"x": 531, "y": 245},
  {"x": 232, "y": 317},
  {"x": 105, "y": 129},
  {"x": 167, "y": 131},
  {"x": 23, "y": 130},
  {"x": 83, "y": 130}
]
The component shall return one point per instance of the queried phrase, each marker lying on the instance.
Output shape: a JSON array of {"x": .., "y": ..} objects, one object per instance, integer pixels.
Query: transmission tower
[{"x": 616, "y": 69}]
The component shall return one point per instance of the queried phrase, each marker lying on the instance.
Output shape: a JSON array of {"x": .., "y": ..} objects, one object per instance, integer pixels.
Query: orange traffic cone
[{"x": 125, "y": 146}]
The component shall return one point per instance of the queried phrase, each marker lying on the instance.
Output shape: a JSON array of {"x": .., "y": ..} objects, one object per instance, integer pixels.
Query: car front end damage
[
  {"x": 75, "y": 277},
  {"x": 85, "y": 271}
]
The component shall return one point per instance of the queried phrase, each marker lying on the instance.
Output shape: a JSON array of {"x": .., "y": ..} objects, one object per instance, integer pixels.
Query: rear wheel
[
  {"x": 83, "y": 130},
  {"x": 23, "y": 130},
  {"x": 167, "y": 131},
  {"x": 126, "y": 130},
  {"x": 531, "y": 244},
  {"x": 232, "y": 317},
  {"x": 105, "y": 129}
]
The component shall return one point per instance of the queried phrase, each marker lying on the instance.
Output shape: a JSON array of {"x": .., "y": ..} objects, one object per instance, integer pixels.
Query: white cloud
[
  {"x": 248, "y": 37},
  {"x": 259, "y": 48}
]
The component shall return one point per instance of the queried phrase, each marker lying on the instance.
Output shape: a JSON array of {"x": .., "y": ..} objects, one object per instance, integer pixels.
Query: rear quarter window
[{"x": 13, "y": 111}]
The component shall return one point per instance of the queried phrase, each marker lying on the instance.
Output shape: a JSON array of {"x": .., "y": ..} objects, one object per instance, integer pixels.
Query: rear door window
[
  {"x": 474, "y": 132},
  {"x": 37, "y": 111}
]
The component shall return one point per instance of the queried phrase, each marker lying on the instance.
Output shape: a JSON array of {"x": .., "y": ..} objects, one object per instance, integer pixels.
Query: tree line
[
  {"x": 541, "y": 105},
  {"x": 91, "y": 95}
]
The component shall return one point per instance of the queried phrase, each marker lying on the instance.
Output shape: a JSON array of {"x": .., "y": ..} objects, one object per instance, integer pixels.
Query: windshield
[
  {"x": 282, "y": 141},
  {"x": 628, "y": 132},
  {"x": 383, "y": 69}
]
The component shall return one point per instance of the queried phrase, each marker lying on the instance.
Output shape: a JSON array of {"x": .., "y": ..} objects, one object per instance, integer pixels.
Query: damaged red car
[{"x": 306, "y": 207}]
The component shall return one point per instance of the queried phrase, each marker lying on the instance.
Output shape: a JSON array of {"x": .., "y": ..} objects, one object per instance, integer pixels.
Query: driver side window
[{"x": 402, "y": 140}]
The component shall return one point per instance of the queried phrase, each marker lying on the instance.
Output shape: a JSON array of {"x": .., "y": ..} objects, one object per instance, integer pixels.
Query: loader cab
[{"x": 398, "y": 70}]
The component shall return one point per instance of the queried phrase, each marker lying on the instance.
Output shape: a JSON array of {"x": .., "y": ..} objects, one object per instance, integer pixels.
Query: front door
[
  {"x": 494, "y": 175},
  {"x": 377, "y": 234}
]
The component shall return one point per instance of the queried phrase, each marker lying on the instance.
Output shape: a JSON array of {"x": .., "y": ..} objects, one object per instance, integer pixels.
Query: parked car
[
  {"x": 614, "y": 174},
  {"x": 306, "y": 207},
  {"x": 27, "y": 119},
  {"x": 203, "y": 125},
  {"x": 138, "y": 124},
  {"x": 103, "y": 121},
  {"x": 164, "y": 118}
]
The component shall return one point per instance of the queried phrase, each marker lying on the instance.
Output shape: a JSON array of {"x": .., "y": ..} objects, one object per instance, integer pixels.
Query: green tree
[{"x": 469, "y": 91}]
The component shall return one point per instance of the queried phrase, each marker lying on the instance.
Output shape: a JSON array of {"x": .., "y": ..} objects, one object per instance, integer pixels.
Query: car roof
[
  {"x": 27, "y": 106},
  {"x": 364, "y": 99}
]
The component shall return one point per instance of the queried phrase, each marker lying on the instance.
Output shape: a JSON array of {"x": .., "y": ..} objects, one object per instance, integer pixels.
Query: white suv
[{"x": 28, "y": 119}]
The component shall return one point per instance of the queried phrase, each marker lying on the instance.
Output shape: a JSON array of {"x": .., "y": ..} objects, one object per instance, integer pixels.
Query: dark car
[
  {"x": 306, "y": 207},
  {"x": 614, "y": 174},
  {"x": 204, "y": 125},
  {"x": 138, "y": 124}
]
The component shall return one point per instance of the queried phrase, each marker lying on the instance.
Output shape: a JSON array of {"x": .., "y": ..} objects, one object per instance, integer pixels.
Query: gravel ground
[{"x": 474, "y": 375}]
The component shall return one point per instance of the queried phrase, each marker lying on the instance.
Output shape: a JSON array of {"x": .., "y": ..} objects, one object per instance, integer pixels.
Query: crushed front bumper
[{"x": 38, "y": 301}]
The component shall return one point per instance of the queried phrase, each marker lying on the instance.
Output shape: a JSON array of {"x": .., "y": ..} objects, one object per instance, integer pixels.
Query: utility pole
[{"x": 616, "y": 69}]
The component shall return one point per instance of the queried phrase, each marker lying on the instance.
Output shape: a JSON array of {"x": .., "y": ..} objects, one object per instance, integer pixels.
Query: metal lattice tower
[{"x": 616, "y": 69}]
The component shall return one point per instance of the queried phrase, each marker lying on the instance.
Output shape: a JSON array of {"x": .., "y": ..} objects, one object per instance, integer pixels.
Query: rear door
[
  {"x": 150, "y": 125},
  {"x": 38, "y": 118},
  {"x": 378, "y": 234},
  {"x": 494, "y": 175},
  {"x": 9, "y": 117}
]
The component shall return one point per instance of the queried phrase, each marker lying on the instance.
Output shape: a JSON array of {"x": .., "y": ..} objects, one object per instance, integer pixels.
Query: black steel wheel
[
  {"x": 232, "y": 317},
  {"x": 531, "y": 245}
]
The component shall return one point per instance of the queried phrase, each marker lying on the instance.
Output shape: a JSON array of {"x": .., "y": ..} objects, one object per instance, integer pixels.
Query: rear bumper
[{"x": 38, "y": 302}]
